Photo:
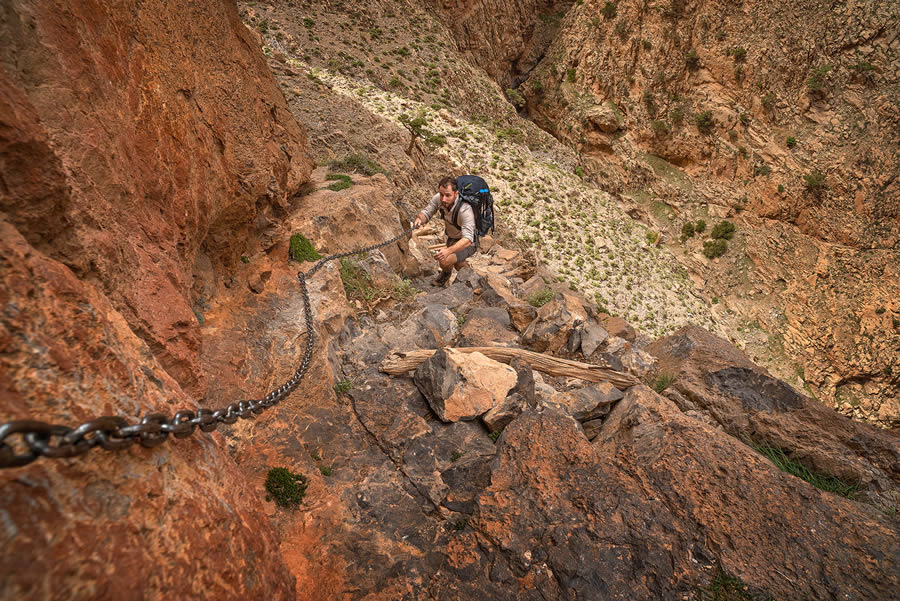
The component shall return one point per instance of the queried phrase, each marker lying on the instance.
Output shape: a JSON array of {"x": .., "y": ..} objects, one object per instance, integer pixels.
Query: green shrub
[
  {"x": 341, "y": 181},
  {"x": 704, "y": 122},
  {"x": 326, "y": 470},
  {"x": 570, "y": 75},
  {"x": 308, "y": 23},
  {"x": 609, "y": 10},
  {"x": 863, "y": 67},
  {"x": 815, "y": 182},
  {"x": 700, "y": 227},
  {"x": 455, "y": 456},
  {"x": 691, "y": 60},
  {"x": 677, "y": 114},
  {"x": 579, "y": 171},
  {"x": 358, "y": 163},
  {"x": 791, "y": 141},
  {"x": 780, "y": 188},
  {"x": 395, "y": 82},
  {"x": 662, "y": 382},
  {"x": 768, "y": 101},
  {"x": 357, "y": 282},
  {"x": 263, "y": 26},
  {"x": 745, "y": 119},
  {"x": 301, "y": 249},
  {"x": 660, "y": 127},
  {"x": 344, "y": 386},
  {"x": 687, "y": 230},
  {"x": 821, "y": 481},
  {"x": 540, "y": 298},
  {"x": 286, "y": 488},
  {"x": 436, "y": 139},
  {"x": 652, "y": 237},
  {"x": 723, "y": 230},
  {"x": 494, "y": 436},
  {"x": 739, "y": 54},
  {"x": 762, "y": 169},
  {"x": 714, "y": 248},
  {"x": 515, "y": 97},
  {"x": 816, "y": 80}
]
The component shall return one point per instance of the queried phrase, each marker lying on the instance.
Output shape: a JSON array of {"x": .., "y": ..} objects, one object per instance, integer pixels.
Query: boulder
[
  {"x": 616, "y": 326},
  {"x": 497, "y": 293},
  {"x": 452, "y": 297},
  {"x": 463, "y": 386},
  {"x": 488, "y": 326},
  {"x": 638, "y": 362},
  {"x": 504, "y": 412},
  {"x": 431, "y": 327},
  {"x": 592, "y": 336},
  {"x": 587, "y": 403},
  {"x": 746, "y": 401},
  {"x": 551, "y": 328}
]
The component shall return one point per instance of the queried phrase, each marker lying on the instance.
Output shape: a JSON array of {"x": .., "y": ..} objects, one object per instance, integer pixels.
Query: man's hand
[
  {"x": 419, "y": 222},
  {"x": 442, "y": 254}
]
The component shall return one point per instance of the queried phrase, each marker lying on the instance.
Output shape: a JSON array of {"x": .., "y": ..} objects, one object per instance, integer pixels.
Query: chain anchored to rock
[{"x": 113, "y": 433}]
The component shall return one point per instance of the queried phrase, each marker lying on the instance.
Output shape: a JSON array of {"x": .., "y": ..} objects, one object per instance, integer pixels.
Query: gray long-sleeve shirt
[{"x": 466, "y": 218}]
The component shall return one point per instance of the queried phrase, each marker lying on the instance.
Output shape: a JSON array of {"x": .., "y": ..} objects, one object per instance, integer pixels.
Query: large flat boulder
[
  {"x": 463, "y": 386},
  {"x": 552, "y": 327}
]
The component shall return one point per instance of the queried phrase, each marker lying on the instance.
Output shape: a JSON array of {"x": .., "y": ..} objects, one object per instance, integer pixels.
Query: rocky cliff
[
  {"x": 779, "y": 117},
  {"x": 142, "y": 148},
  {"x": 686, "y": 471}
]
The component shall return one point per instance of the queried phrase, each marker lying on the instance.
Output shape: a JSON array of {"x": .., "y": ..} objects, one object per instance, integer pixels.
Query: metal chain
[{"x": 114, "y": 433}]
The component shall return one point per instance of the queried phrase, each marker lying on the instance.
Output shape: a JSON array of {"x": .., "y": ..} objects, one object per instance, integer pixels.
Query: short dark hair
[{"x": 449, "y": 181}]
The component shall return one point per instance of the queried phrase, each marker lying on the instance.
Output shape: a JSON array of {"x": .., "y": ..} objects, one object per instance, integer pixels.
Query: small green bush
[
  {"x": 344, "y": 386},
  {"x": 609, "y": 10},
  {"x": 662, "y": 382},
  {"x": 515, "y": 97},
  {"x": 308, "y": 23},
  {"x": 700, "y": 227},
  {"x": 739, "y": 54},
  {"x": 540, "y": 298},
  {"x": 494, "y": 435},
  {"x": 714, "y": 248},
  {"x": 326, "y": 470},
  {"x": 687, "y": 230},
  {"x": 358, "y": 163},
  {"x": 652, "y": 237},
  {"x": 455, "y": 456},
  {"x": 395, "y": 82},
  {"x": 816, "y": 80},
  {"x": 723, "y": 230},
  {"x": 691, "y": 60},
  {"x": 863, "y": 67},
  {"x": 286, "y": 488},
  {"x": 341, "y": 181},
  {"x": 704, "y": 122},
  {"x": 815, "y": 182},
  {"x": 768, "y": 101},
  {"x": 301, "y": 249},
  {"x": 660, "y": 127},
  {"x": 791, "y": 141},
  {"x": 570, "y": 75},
  {"x": 436, "y": 140}
]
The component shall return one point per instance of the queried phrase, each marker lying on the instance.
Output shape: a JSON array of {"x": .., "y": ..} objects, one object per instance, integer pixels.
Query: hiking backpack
[{"x": 474, "y": 191}]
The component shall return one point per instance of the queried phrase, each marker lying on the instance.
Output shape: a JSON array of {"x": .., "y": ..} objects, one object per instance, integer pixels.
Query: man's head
[{"x": 448, "y": 191}]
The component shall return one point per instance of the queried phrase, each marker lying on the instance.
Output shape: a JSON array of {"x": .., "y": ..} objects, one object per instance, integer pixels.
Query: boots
[{"x": 443, "y": 278}]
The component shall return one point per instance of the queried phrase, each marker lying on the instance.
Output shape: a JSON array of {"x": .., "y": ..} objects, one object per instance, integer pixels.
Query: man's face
[{"x": 448, "y": 196}]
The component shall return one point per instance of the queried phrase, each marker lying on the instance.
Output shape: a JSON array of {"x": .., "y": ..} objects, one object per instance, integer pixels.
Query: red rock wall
[
  {"x": 137, "y": 138},
  {"x": 133, "y": 140},
  {"x": 503, "y": 37}
]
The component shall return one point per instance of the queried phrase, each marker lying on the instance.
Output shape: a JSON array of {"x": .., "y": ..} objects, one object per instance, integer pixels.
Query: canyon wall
[{"x": 142, "y": 149}]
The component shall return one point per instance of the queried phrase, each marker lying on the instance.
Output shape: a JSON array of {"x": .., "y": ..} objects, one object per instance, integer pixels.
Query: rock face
[
  {"x": 141, "y": 154},
  {"x": 144, "y": 148},
  {"x": 504, "y": 38},
  {"x": 713, "y": 378},
  {"x": 625, "y": 89},
  {"x": 598, "y": 539},
  {"x": 170, "y": 521}
]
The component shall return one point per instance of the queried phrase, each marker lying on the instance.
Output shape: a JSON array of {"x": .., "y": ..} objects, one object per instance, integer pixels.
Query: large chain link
[{"x": 113, "y": 433}]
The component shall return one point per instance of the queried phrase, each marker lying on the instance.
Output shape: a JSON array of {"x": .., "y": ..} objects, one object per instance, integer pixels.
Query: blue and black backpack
[{"x": 474, "y": 191}]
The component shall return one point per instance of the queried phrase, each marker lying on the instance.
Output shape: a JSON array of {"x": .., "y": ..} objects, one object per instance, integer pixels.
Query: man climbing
[{"x": 459, "y": 225}]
